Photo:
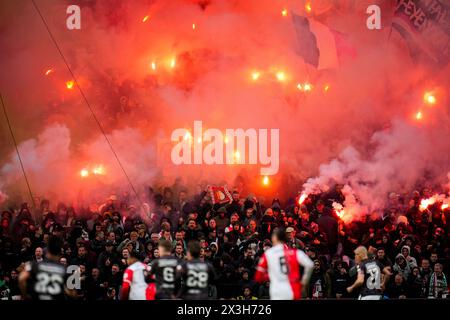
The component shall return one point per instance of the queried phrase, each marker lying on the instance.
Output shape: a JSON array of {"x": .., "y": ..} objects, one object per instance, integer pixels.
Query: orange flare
[
  {"x": 419, "y": 115},
  {"x": 339, "y": 209},
  {"x": 99, "y": 170},
  {"x": 340, "y": 213},
  {"x": 69, "y": 84},
  {"x": 429, "y": 98},
  {"x": 306, "y": 87},
  {"x": 266, "y": 181},
  {"x": 255, "y": 75},
  {"x": 281, "y": 76},
  {"x": 173, "y": 62},
  {"x": 308, "y": 7},
  {"x": 84, "y": 173},
  {"x": 302, "y": 198},
  {"x": 425, "y": 203},
  {"x": 145, "y": 19},
  {"x": 48, "y": 71},
  {"x": 284, "y": 12}
]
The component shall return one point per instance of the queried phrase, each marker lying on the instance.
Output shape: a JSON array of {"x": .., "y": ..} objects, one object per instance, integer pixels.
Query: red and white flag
[{"x": 220, "y": 195}]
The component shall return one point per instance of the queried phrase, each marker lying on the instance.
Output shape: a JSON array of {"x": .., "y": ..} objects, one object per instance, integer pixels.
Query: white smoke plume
[
  {"x": 393, "y": 165},
  {"x": 48, "y": 158}
]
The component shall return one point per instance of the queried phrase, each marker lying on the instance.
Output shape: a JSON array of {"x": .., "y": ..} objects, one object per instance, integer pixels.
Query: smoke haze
[{"x": 361, "y": 132}]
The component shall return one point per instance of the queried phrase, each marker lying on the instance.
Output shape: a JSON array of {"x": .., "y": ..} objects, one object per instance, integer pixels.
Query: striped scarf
[{"x": 437, "y": 286}]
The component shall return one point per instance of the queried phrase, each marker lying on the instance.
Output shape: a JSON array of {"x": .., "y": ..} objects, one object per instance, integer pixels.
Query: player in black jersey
[
  {"x": 164, "y": 272},
  {"x": 45, "y": 280},
  {"x": 196, "y": 275},
  {"x": 369, "y": 276}
]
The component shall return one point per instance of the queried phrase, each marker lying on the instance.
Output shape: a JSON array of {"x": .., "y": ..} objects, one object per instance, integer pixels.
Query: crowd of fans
[{"x": 413, "y": 243}]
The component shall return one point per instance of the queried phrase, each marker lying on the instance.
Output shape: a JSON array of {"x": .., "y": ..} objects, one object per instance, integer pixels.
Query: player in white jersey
[
  {"x": 281, "y": 265},
  {"x": 134, "y": 285}
]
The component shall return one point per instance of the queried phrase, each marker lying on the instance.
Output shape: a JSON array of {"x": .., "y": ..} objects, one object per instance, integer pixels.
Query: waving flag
[
  {"x": 319, "y": 45},
  {"x": 307, "y": 41},
  {"x": 425, "y": 25},
  {"x": 219, "y": 195}
]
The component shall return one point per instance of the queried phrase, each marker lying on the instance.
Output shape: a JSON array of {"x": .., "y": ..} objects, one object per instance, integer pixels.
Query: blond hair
[{"x": 362, "y": 251}]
